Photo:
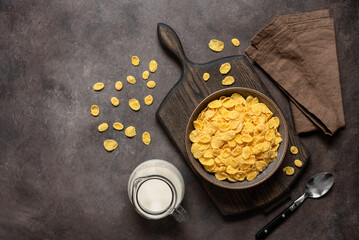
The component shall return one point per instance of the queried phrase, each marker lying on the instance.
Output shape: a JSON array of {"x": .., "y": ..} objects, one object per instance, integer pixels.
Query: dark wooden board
[{"x": 175, "y": 111}]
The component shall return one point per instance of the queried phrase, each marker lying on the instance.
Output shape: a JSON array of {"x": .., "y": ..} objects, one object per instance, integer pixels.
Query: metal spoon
[{"x": 317, "y": 186}]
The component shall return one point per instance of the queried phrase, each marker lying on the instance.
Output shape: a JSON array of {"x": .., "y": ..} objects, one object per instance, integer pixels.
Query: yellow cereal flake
[
  {"x": 118, "y": 126},
  {"x": 102, "y": 127},
  {"x": 95, "y": 110},
  {"x": 288, "y": 170},
  {"x": 145, "y": 75},
  {"x": 110, "y": 145},
  {"x": 118, "y": 85},
  {"x": 134, "y": 104},
  {"x": 148, "y": 100},
  {"x": 216, "y": 45},
  {"x": 153, "y": 66},
  {"x": 115, "y": 102},
  {"x": 131, "y": 79},
  {"x": 298, "y": 163},
  {"x": 135, "y": 61},
  {"x": 225, "y": 68},
  {"x": 252, "y": 175},
  {"x": 130, "y": 131},
  {"x": 227, "y": 81},
  {"x": 235, "y": 42},
  {"x": 233, "y": 139},
  {"x": 215, "y": 104},
  {"x": 294, "y": 150},
  {"x": 151, "y": 84},
  {"x": 146, "y": 138},
  {"x": 206, "y": 76},
  {"x": 98, "y": 86},
  {"x": 221, "y": 175}
]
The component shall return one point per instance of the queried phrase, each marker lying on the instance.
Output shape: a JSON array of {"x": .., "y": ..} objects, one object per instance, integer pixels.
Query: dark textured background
[{"x": 57, "y": 181}]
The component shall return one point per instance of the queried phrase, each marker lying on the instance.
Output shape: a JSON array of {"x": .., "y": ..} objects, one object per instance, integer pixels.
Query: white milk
[
  {"x": 155, "y": 186},
  {"x": 154, "y": 196}
]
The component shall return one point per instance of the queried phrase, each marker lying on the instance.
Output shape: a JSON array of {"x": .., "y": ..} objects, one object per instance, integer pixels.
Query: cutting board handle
[{"x": 170, "y": 40}]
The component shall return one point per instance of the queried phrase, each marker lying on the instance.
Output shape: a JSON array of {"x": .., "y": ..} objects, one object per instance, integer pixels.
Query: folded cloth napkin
[{"x": 299, "y": 53}]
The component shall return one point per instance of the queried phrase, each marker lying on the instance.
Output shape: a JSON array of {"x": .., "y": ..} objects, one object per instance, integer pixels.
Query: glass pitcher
[{"x": 156, "y": 189}]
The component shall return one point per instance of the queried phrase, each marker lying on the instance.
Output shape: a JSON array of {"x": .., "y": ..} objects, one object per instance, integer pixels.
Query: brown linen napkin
[{"x": 299, "y": 53}]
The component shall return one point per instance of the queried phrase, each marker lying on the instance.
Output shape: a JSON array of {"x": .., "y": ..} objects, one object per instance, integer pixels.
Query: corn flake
[
  {"x": 102, "y": 127},
  {"x": 110, "y": 145},
  {"x": 130, "y": 131},
  {"x": 95, "y": 110},
  {"x": 216, "y": 45},
  {"x": 118, "y": 85},
  {"x": 148, "y": 100},
  {"x": 294, "y": 150},
  {"x": 288, "y": 170},
  {"x": 131, "y": 80},
  {"x": 153, "y": 66},
  {"x": 151, "y": 84},
  {"x": 227, "y": 81},
  {"x": 134, "y": 104},
  {"x": 145, "y": 75},
  {"x": 146, "y": 138},
  {"x": 235, "y": 42},
  {"x": 115, "y": 102},
  {"x": 225, "y": 68},
  {"x": 118, "y": 126},
  {"x": 221, "y": 175},
  {"x": 135, "y": 61},
  {"x": 215, "y": 104},
  {"x": 98, "y": 86},
  {"x": 206, "y": 76},
  {"x": 298, "y": 163}
]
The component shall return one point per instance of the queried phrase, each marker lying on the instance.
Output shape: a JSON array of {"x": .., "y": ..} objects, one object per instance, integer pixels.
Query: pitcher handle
[{"x": 180, "y": 214}]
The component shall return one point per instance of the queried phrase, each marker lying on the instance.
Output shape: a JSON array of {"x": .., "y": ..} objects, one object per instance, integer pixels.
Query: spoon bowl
[{"x": 319, "y": 184}]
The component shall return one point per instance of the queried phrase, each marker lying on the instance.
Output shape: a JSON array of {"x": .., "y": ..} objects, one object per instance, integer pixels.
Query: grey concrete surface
[{"x": 56, "y": 179}]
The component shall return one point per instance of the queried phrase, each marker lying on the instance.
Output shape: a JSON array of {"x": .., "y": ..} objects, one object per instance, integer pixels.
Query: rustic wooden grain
[{"x": 189, "y": 91}]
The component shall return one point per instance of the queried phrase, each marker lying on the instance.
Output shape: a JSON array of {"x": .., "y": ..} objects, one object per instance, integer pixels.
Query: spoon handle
[{"x": 267, "y": 229}]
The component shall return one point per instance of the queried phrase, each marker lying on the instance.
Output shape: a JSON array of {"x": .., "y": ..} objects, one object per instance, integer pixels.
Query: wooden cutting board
[{"x": 175, "y": 111}]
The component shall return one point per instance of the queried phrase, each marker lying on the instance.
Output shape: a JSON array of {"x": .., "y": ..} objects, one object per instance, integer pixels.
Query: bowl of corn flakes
[{"x": 236, "y": 138}]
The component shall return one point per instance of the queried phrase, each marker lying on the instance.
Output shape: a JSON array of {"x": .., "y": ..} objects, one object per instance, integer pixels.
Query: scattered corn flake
[
  {"x": 153, "y": 66},
  {"x": 151, "y": 84},
  {"x": 294, "y": 150},
  {"x": 130, "y": 131},
  {"x": 148, "y": 100},
  {"x": 227, "y": 81},
  {"x": 206, "y": 76},
  {"x": 102, "y": 127},
  {"x": 145, "y": 75},
  {"x": 110, "y": 145},
  {"x": 146, "y": 138},
  {"x": 95, "y": 110},
  {"x": 135, "y": 61},
  {"x": 115, "y": 102},
  {"x": 118, "y": 85},
  {"x": 225, "y": 68},
  {"x": 288, "y": 170},
  {"x": 298, "y": 163},
  {"x": 98, "y": 86},
  {"x": 134, "y": 104},
  {"x": 216, "y": 45},
  {"x": 131, "y": 79},
  {"x": 118, "y": 126},
  {"x": 235, "y": 42}
]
